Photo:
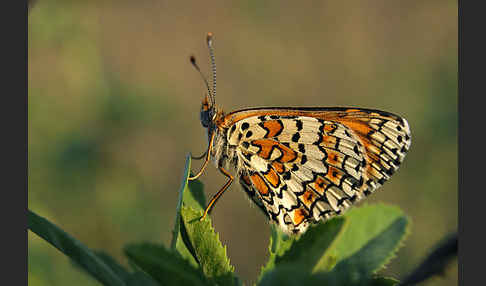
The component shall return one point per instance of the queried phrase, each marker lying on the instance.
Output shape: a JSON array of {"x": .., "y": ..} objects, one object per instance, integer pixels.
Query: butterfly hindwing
[
  {"x": 301, "y": 180},
  {"x": 306, "y": 165}
]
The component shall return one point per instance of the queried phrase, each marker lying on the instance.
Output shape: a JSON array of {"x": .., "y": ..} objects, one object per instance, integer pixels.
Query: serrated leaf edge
[{"x": 208, "y": 225}]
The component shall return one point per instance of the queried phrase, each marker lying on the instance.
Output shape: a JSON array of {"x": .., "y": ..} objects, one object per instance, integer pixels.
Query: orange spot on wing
[
  {"x": 370, "y": 155},
  {"x": 273, "y": 127},
  {"x": 353, "y": 110},
  {"x": 371, "y": 147},
  {"x": 299, "y": 216},
  {"x": 358, "y": 126},
  {"x": 333, "y": 157},
  {"x": 265, "y": 147},
  {"x": 259, "y": 184},
  {"x": 308, "y": 197},
  {"x": 320, "y": 185},
  {"x": 288, "y": 154},
  {"x": 334, "y": 175},
  {"x": 328, "y": 141},
  {"x": 272, "y": 178},
  {"x": 279, "y": 167},
  {"x": 329, "y": 127}
]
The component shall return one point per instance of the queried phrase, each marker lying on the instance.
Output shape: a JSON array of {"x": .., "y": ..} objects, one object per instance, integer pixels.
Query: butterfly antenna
[
  {"x": 209, "y": 40},
  {"x": 194, "y": 64}
]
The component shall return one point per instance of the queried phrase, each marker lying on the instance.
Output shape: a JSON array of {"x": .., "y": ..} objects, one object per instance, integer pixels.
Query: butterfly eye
[
  {"x": 205, "y": 112},
  {"x": 205, "y": 117}
]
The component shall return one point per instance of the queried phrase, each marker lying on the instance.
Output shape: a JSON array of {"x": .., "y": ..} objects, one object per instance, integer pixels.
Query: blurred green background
[{"x": 113, "y": 109}]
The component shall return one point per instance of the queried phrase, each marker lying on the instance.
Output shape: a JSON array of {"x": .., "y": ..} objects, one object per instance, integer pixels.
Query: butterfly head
[{"x": 207, "y": 112}]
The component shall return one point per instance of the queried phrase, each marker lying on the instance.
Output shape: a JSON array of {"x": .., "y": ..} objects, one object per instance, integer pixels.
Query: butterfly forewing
[{"x": 301, "y": 165}]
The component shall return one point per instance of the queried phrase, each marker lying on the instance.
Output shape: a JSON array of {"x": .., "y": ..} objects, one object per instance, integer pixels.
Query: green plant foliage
[
  {"x": 194, "y": 195},
  {"x": 118, "y": 269},
  {"x": 279, "y": 243},
  {"x": 190, "y": 194},
  {"x": 292, "y": 275},
  {"x": 373, "y": 236},
  {"x": 184, "y": 184},
  {"x": 166, "y": 267},
  {"x": 196, "y": 240},
  {"x": 178, "y": 233},
  {"x": 74, "y": 249},
  {"x": 309, "y": 251},
  {"x": 436, "y": 262},
  {"x": 384, "y": 281},
  {"x": 345, "y": 250},
  {"x": 210, "y": 253},
  {"x": 131, "y": 278}
]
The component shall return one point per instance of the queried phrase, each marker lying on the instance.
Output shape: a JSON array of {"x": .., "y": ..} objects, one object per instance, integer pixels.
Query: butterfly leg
[
  {"x": 218, "y": 194},
  {"x": 206, "y": 160}
]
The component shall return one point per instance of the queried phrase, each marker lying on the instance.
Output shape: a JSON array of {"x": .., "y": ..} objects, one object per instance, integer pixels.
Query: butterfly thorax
[{"x": 223, "y": 153}]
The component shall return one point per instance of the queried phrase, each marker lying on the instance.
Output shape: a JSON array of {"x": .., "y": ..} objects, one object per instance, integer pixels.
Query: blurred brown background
[{"x": 114, "y": 109}]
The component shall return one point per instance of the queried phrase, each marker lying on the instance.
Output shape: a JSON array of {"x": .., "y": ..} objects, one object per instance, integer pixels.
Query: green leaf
[
  {"x": 384, "y": 281},
  {"x": 190, "y": 193},
  {"x": 164, "y": 266},
  {"x": 309, "y": 250},
  {"x": 345, "y": 250},
  {"x": 371, "y": 239},
  {"x": 294, "y": 275},
  {"x": 175, "y": 231},
  {"x": 118, "y": 269},
  {"x": 376, "y": 252},
  {"x": 184, "y": 246},
  {"x": 194, "y": 195},
  {"x": 209, "y": 251},
  {"x": 436, "y": 261},
  {"x": 139, "y": 278},
  {"x": 279, "y": 243},
  {"x": 131, "y": 278},
  {"x": 187, "y": 254},
  {"x": 288, "y": 275},
  {"x": 74, "y": 249}
]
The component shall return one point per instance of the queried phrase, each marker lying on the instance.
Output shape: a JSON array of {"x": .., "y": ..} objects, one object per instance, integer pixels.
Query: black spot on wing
[{"x": 296, "y": 137}]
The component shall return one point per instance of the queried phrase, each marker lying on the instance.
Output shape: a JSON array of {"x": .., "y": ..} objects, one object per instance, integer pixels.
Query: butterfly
[{"x": 301, "y": 165}]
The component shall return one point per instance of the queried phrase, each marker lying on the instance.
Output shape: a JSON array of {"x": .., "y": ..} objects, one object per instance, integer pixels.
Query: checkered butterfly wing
[{"x": 307, "y": 164}]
